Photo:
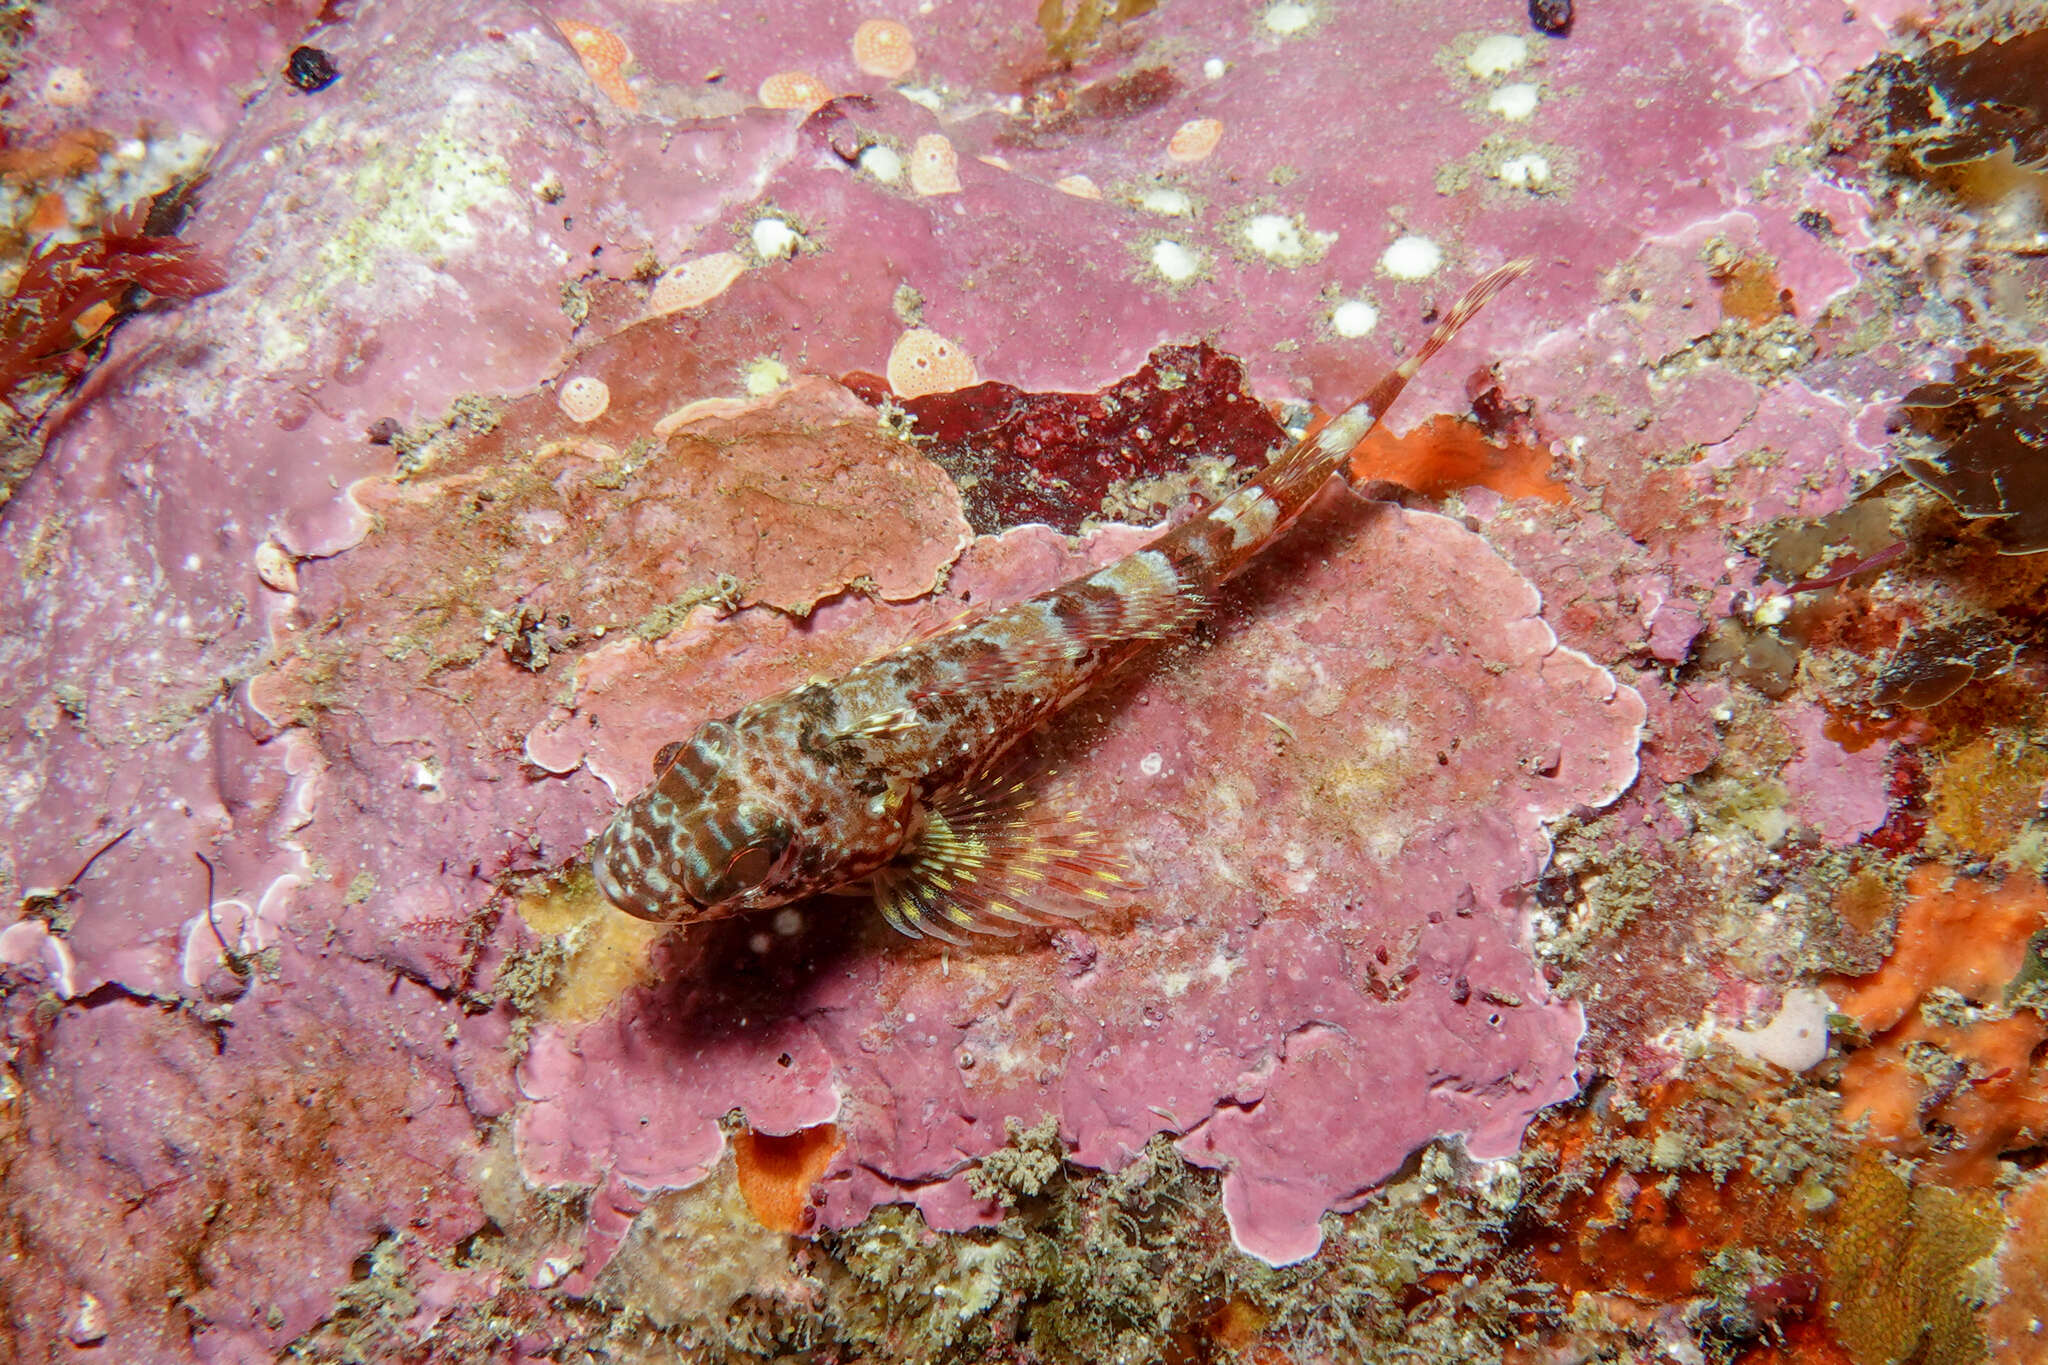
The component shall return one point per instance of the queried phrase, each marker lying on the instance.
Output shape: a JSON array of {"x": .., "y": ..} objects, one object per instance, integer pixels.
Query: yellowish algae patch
[
  {"x": 764, "y": 375},
  {"x": 420, "y": 204},
  {"x": 596, "y": 953}
]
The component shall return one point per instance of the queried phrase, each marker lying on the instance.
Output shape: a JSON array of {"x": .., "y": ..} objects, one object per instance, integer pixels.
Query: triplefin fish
[{"x": 893, "y": 775}]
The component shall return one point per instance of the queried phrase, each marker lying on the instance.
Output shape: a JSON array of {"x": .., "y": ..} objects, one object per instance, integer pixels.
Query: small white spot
[
  {"x": 774, "y": 239},
  {"x": 1354, "y": 318},
  {"x": 1497, "y": 54},
  {"x": 1177, "y": 263},
  {"x": 192, "y": 563},
  {"x": 1288, "y": 17},
  {"x": 760, "y": 944},
  {"x": 1514, "y": 102},
  {"x": 1412, "y": 258},
  {"x": 1151, "y": 765},
  {"x": 1773, "y": 610},
  {"x": 1167, "y": 202},
  {"x": 883, "y": 163},
  {"x": 1214, "y": 68},
  {"x": 551, "y": 1271},
  {"x": 1529, "y": 171},
  {"x": 789, "y": 922}
]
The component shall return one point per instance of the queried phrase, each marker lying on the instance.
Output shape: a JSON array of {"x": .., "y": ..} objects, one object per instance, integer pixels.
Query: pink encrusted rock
[
  {"x": 467, "y": 212},
  {"x": 1327, "y": 807},
  {"x": 1843, "y": 793}
]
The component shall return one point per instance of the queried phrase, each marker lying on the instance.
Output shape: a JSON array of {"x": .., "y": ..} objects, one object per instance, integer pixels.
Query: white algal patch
[
  {"x": 1412, "y": 258},
  {"x": 1175, "y": 262},
  {"x": 1284, "y": 240},
  {"x": 1514, "y": 102},
  {"x": 883, "y": 163},
  {"x": 1496, "y": 55},
  {"x": 1167, "y": 202},
  {"x": 1288, "y": 17},
  {"x": 1530, "y": 171},
  {"x": 774, "y": 239},
  {"x": 1354, "y": 318}
]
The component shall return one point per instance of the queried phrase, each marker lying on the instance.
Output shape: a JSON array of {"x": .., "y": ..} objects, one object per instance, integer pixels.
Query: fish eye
[
  {"x": 750, "y": 866},
  {"x": 751, "y": 844}
]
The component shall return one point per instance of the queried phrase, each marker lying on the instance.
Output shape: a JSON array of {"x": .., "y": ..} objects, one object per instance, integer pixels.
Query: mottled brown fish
[{"x": 892, "y": 775}]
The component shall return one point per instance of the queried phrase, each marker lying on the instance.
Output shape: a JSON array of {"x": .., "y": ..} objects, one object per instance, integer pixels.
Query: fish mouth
[{"x": 644, "y": 892}]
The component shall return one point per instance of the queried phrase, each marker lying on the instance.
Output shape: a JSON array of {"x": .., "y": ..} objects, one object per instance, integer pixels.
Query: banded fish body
[{"x": 892, "y": 775}]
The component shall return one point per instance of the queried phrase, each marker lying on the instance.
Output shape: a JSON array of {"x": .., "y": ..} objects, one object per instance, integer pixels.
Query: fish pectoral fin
[
  {"x": 899, "y": 720},
  {"x": 994, "y": 855}
]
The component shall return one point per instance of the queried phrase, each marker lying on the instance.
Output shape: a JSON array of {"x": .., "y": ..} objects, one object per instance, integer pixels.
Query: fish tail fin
[
  {"x": 1329, "y": 450},
  {"x": 1210, "y": 548}
]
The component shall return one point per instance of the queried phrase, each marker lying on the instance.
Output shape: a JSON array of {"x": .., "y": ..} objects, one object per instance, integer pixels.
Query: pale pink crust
[
  {"x": 409, "y": 852},
  {"x": 1195, "y": 140}
]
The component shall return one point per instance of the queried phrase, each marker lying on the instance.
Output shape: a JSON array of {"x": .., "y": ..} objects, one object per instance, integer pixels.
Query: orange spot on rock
[
  {"x": 694, "y": 283},
  {"x": 604, "y": 57},
  {"x": 1750, "y": 293},
  {"x": 923, "y": 362},
  {"x": 883, "y": 47},
  {"x": 934, "y": 165},
  {"x": 1445, "y": 454},
  {"x": 776, "y": 1174},
  {"x": 1195, "y": 139},
  {"x": 792, "y": 90},
  {"x": 74, "y": 151},
  {"x": 49, "y": 214},
  {"x": 1936, "y": 1084}
]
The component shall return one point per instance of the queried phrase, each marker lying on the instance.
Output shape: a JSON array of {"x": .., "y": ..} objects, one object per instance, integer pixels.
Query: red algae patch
[{"x": 778, "y": 1172}]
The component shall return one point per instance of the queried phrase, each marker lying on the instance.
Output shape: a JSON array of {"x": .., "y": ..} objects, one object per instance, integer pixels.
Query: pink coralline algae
[{"x": 319, "y": 577}]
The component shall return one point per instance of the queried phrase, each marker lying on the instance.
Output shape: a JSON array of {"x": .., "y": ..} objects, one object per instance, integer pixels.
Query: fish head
[{"x": 698, "y": 844}]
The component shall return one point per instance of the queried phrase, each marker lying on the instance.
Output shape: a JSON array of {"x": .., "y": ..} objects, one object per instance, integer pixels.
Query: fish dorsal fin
[{"x": 995, "y": 854}]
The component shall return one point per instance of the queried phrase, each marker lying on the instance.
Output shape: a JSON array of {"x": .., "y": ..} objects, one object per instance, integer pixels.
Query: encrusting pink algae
[{"x": 1577, "y": 892}]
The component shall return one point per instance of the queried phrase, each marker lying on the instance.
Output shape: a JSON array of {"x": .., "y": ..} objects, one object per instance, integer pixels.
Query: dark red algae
[{"x": 1053, "y": 457}]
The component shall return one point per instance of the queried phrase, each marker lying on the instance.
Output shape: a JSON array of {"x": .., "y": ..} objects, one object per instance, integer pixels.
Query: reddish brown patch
[
  {"x": 1648, "y": 1234},
  {"x": 1052, "y": 457},
  {"x": 776, "y": 1173},
  {"x": 1446, "y": 454},
  {"x": 1751, "y": 293}
]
